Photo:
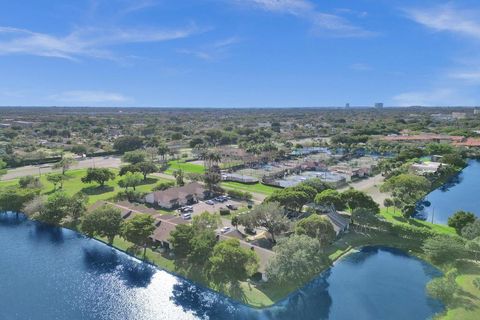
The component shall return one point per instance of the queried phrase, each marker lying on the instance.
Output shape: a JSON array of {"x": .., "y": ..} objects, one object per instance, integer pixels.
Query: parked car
[
  {"x": 187, "y": 216},
  {"x": 210, "y": 202},
  {"x": 220, "y": 199},
  {"x": 225, "y": 229},
  {"x": 250, "y": 231},
  {"x": 232, "y": 207},
  {"x": 186, "y": 209}
]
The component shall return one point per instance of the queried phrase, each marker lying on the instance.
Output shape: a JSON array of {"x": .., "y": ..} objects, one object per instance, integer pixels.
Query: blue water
[
  {"x": 53, "y": 273},
  {"x": 462, "y": 192}
]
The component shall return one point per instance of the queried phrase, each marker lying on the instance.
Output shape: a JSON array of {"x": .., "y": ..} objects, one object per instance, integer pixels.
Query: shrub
[
  {"x": 242, "y": 195},
  {"x": 163, "y": 186},
  {"x": 224, "y": 211}
]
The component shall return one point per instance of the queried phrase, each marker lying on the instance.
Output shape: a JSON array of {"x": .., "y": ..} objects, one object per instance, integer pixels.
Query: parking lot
[{"x": 201, "y": 206}]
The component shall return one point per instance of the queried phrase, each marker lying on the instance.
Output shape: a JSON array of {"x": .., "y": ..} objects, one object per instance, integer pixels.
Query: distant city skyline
[{"x": 239, "y": 53}]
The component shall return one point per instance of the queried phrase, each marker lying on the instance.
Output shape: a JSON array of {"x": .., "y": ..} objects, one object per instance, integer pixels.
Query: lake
[
  {"x": 54, "y": 273},
  {"x": 461, "y": 192}
]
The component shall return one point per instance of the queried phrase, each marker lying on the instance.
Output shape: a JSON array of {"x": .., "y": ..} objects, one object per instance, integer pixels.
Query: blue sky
[{"x": 239, "y": 53}]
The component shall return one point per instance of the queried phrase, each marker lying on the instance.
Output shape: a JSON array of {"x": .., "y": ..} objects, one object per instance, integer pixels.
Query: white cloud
[
  {"x": 214, "y": 50},
  {"x": 86, "y": 42},
  {"x": 323, "y": 23},
  {"x": 447, "y": 18},
  {"x": 85, "y": 96},
  {"x": 360, "y": 67},
  {"x": 434, "y": 97}
]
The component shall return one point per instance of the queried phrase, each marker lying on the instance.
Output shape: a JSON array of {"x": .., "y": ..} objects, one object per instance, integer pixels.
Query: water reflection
[
  {"x": 90, "y": 280},
  {"x": 129, "y": 270}
]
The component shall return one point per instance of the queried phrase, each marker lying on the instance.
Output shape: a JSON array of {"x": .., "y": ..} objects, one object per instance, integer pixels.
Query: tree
[
  {"x": 30, "y": 182},
  {"x": 178, "y": 175},
  {"x": 128, "y": 143},
  {"x": 138, "y": 230},
  {"x": 454, "y": 159},
  {"x": 269, "y": 215},
  {"x": 128, "y": 168},
  {"x": 329, "y": 198},
  {"x": 363, "y": 217},
  {"x": 357, "y": 199},
  {"x": 64, "y": 164},
  {"x": 55, "y": 210},
  {"x": 163, "y": 150},
  {"x": 473, "y": 246},
  {"x": 105, "y": 221},
  {"x": 78, "y": 206},
  {"x": 206, "y": 221},
  {"x": 130, "y": 180},
  {"x": 444, "y": 288},
  {"x": 180, "y": 239},
  {"x": 317, "y": 184},
  {"x": 201, "y": 246},
  {"x": 56, "y": 179},
  {"x": 99, "y": 175},
  {"x": 472, "y": 231},
  {"x": 212, "y": 178},
  {"x": 134, "y": 157},
  {"x": 408, "y": 188},
  {"x": 389, "y": 203},
  {"x": 230, "y": 262},
  {"x": 13, "y": 199},
  {"x": 317, "y": 227},
  {"x": 3, "y": 165},
  {"x": 291, "y": 199},
  {"x": 443, "y": 247},
  {"x": 235, "y": 222},
  {"x": 146, "y": 168},
  {"x": 460, "y": 220},
  {"x": 298, "y": 252}
]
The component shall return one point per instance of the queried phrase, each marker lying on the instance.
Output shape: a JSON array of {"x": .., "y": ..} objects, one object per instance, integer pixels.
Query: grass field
[
  {"x": 256, "y": 188},
  {"x": 186, "y": 167},
  {"x": 73, "y": 184},
  {"x": 389, "y": 215},
  {"x": 466, "y": 305}
]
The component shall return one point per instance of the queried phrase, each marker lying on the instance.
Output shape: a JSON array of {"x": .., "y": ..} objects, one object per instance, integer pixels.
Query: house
[
  {"x": 177, "y": 196},
  {"x": 165, "y": 224},
  {"x": 426, "y": 167}
]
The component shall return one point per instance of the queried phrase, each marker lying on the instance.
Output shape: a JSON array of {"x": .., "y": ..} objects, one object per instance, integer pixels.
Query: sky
[{"x": 239, "y": 53}]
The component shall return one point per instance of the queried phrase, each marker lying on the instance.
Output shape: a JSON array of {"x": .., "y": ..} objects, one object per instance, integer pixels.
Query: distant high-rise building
[
  {"x": 347, "y": 105},
  {"x": 378, "y": 105},
  {"x": 476, "y": 111}
]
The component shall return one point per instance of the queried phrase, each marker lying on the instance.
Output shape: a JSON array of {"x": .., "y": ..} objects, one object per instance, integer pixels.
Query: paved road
[{"x": 98, "y": 162}]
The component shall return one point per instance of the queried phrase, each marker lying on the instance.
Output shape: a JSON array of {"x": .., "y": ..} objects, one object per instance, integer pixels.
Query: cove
[
  {"x": 459, "y": 193},
  {"x": 55, "y": 273}
]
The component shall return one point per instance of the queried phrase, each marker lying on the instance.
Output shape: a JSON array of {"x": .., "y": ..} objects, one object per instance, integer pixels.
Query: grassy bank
[{"x": 186, "y": 167}]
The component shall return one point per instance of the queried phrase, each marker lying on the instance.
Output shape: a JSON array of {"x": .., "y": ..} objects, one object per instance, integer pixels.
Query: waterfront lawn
[
  {"x": 73, "y": 184},
  {"x": 255, "y": 188},
  {"x": 186, "y": 167},
  {"x": 397, "y": 218},
  {"x": 466, "y": 305}
]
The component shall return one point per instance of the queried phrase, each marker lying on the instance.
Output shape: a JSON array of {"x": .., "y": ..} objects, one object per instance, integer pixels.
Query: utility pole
[{"x": 433, "y": 213}]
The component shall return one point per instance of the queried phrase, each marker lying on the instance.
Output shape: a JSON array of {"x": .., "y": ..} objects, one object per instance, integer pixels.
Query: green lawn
[
  {"x": 397, "y": 217},
  {"x": 257, "y": 187},
  {"x": 186, "y": 167},
  {"x": 73, "y": 184}
]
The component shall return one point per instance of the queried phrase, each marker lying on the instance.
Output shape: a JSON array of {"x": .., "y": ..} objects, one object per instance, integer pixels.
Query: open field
[
  {"x": 256, "y": 187},
  {"x": 73, "y": 184},
  {"x": 186, "y": 167}
]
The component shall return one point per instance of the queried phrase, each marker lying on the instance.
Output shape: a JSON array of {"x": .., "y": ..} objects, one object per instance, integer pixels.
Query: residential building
[{"x": 177, "y": 196}]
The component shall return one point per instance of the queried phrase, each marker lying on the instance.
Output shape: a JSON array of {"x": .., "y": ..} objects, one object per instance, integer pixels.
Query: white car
[
  {"x": 187, "y": 216},
  {"x": 210, "y": 202},
  {"x": 225, "y": 230}
]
